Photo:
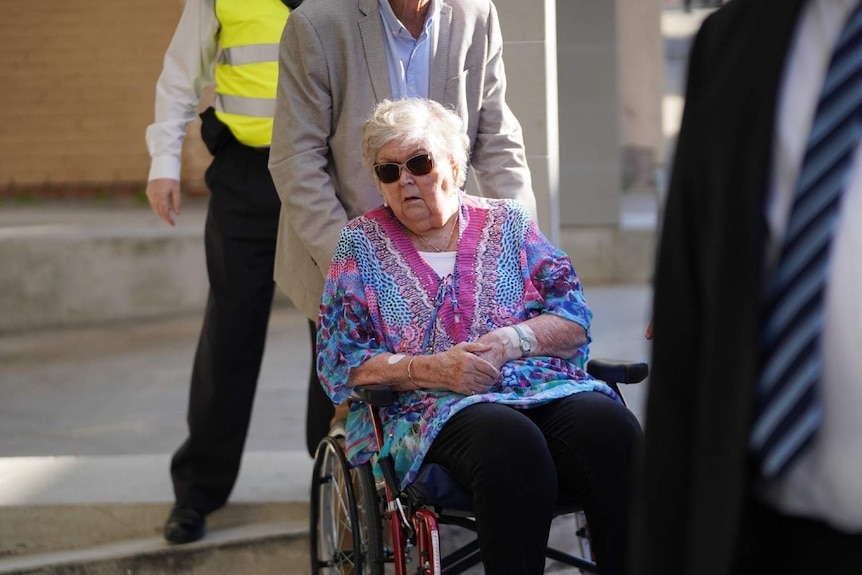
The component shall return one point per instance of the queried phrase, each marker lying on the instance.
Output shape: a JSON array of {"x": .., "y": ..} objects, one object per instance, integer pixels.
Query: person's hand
[
  {"x": 164, "y": 197},
  {"x": 496, "y": 354},
  {"x": 462, "y": 370},
  {"x": 648, "y": 333}
]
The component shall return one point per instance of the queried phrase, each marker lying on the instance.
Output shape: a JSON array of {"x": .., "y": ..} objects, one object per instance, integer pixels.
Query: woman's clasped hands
[{"x": 463, "y": 369}]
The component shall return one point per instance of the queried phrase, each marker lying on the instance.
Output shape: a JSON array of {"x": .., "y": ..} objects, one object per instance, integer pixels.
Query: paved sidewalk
[{"x": 92, "y": 415}]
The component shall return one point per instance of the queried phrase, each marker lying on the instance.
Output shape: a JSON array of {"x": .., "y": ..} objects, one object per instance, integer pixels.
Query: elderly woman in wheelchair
[{"x": 479, "y": 327}]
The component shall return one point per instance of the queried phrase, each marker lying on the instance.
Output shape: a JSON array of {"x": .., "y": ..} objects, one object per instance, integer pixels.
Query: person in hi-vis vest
[{"x": 235, "y": 44}]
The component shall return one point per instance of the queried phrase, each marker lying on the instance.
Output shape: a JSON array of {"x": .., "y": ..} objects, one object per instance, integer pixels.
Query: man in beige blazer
[{"x": 333, "y": 70}]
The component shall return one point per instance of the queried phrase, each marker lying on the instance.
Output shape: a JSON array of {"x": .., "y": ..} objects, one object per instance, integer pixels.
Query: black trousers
[
  {"x": 319, "y": 409},
  {"x": 771, "y": 542},
  {"x": 516, "y": 461},
  {"x": 240, "y": 237}
]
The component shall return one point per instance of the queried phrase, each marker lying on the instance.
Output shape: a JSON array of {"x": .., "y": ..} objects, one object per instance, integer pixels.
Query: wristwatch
[{"x": 523, "y": 342}]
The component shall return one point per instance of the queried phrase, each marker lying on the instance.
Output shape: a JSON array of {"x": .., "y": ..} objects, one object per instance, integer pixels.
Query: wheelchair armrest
[
  {"x": 618, "y": 371},
  {"x": 377, "y": 395}
]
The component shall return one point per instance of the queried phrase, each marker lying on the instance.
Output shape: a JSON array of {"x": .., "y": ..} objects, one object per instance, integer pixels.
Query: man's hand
[{"x": 164, "y": 197}]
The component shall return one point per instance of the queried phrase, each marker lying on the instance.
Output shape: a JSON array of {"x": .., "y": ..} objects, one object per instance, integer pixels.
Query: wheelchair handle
[
  {"x": 376, "y": 394},
  {"x": 618, "y": 371}
]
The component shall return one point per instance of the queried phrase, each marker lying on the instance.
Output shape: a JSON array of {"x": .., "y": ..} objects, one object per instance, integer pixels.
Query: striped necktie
[{"x": 788, "y": 412}]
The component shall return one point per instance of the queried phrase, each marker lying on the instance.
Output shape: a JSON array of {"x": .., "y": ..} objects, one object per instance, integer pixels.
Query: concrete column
[
  {"x": 587, "y": 98},
  {"x": 641, "y": 91},
  {"x": 589, "y": 117},
  {"x": 530, "y": 53},
  {"x": 608, "y": 106}
]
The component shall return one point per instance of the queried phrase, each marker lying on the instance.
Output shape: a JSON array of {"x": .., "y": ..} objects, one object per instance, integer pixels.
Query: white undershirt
[
  {"x": 443, "y": 263},
  {"x": 827, "y": 482}
]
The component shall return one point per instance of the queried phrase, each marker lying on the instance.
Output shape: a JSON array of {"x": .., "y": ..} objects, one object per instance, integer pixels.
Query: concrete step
[
  {"x": 74, "y": 264},
  {"x": 270, "y": 539},
  {"x": 262, "y": 539},
  {"x": 64, "y": 515}
]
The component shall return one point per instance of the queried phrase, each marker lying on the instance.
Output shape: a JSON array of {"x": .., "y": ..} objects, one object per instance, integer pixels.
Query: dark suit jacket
[{"x": 694, "y": 474}]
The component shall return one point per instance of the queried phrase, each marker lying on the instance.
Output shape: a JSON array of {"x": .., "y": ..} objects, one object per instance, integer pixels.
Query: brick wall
[{"x": 77, "y": 82}]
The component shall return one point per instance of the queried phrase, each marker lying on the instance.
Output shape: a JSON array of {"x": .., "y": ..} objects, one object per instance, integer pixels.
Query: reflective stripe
[
  {"x": 252, "y": 54},
  {"x": 255, "y": 107}
]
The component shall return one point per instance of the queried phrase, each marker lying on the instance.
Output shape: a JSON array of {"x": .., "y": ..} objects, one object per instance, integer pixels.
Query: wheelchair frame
[{"x": 348, "y": 507}]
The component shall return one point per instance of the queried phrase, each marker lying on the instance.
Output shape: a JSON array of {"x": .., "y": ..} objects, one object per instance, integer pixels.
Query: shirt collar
[{"x": 394, "y": 25}]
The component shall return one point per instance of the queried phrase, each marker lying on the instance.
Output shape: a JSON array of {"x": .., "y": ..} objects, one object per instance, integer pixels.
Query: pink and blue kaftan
[{"x": 382, "y": 296}]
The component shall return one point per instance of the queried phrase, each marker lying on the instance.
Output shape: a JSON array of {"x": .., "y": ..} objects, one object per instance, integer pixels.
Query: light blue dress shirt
[{"x": 408, "y": 58}]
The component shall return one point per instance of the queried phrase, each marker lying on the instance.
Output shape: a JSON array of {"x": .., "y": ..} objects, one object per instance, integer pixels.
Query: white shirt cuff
[{"x": 165, "y": 167}]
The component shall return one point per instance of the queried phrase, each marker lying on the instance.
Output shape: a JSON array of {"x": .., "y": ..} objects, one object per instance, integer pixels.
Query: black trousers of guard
[
  {"x": 319, "y": 409},
  {"x": 240, "y": 237}
]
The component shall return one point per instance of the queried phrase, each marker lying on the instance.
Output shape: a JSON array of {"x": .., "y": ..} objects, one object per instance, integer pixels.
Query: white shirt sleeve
[{"x": 187, "y": 70}]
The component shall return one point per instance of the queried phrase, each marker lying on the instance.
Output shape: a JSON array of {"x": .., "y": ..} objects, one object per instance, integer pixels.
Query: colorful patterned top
[{"x": 381, "y": 296}]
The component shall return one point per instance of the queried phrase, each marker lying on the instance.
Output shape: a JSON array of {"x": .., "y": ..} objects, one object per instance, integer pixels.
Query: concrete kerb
[
  {"x": 73, "y": 266},
  {"x": 267, "y": 547},
  {"x": 68, "y": 264}
]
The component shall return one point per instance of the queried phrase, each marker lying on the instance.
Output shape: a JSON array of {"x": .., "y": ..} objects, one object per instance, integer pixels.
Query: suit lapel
[
  {"x": 371, "y": 30},
  {"x": 774, "y": 48},
  {"x": 440, "y": 64}
]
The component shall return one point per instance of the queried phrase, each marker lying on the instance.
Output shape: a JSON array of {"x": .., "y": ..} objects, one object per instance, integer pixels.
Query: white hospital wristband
[{"x": 511, "y": 341}]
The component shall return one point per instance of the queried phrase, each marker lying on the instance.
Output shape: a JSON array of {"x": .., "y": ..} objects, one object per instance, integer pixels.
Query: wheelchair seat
[{"x": 435, "y": 487}]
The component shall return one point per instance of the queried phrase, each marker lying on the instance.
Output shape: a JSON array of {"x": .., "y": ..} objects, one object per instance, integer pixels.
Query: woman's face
[{"x": 421, "y": 202}]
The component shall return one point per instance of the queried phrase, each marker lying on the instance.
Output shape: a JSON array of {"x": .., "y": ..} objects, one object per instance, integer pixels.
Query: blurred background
[
  {"x": 586, "y": 78},
  {"x": 100, "y": 301},
  {"x": 597, "y": 86}
]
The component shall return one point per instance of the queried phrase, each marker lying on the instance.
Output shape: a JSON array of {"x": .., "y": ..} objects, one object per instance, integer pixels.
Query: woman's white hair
[{"x": 417, "y": 122}]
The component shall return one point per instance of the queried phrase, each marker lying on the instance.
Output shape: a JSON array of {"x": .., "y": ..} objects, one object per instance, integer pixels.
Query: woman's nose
[{"x": 405, "y": 177}]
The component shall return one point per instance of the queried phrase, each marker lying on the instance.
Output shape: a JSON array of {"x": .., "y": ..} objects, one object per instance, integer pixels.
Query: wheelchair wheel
[{"x": 346, "y": 529}]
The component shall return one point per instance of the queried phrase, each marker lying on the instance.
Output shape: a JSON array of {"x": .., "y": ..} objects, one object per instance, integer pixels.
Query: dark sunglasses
[{"x": 389, "y": 172}]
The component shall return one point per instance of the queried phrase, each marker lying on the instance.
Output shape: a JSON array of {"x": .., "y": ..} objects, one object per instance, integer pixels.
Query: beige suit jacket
[{"x": 332, "y": 73}]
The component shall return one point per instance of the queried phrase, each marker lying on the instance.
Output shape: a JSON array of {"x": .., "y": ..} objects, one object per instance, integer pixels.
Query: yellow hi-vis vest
[{"x": 247, "y": 69}]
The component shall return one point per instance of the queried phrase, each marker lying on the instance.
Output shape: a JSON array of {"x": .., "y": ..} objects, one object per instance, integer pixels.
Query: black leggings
[{"x": 515, "y": 462}]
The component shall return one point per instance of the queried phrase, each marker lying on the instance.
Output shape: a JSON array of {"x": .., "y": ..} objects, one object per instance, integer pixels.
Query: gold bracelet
[{"x": 410, "y": 372}]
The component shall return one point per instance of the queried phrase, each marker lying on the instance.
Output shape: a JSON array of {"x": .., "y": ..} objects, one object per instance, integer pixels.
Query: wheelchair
[{"x": 362, "y": 526}]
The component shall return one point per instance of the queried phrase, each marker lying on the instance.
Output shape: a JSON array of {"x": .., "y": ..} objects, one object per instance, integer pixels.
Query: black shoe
[{"x": 185, "y": 525}]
